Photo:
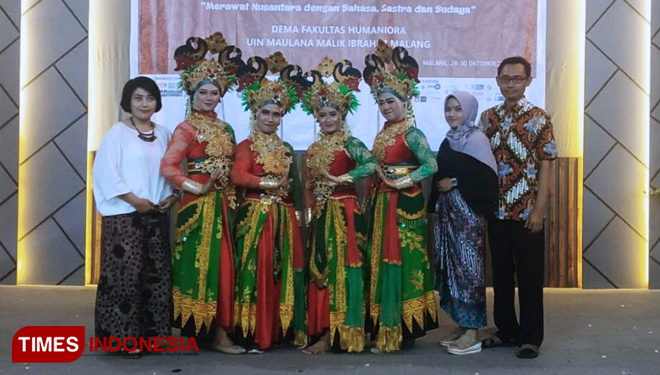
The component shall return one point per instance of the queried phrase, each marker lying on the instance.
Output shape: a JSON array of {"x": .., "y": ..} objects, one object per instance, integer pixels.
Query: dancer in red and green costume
[
  {"x": 338, "y": 233},
  {"x": 270, "y": 260},
  {"x": 402, "y": 303},
  {"x": 203, "y": 260}
]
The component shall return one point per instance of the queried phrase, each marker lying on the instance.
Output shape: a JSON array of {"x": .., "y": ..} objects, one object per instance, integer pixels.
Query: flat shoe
[
  {"x": 255, "y": 351},
  {"x": 446, "y": 343},
  {"x": 476, "y": 348},
  {"x": 234, "y": 349},
  {"x": 528, "y": 351}
]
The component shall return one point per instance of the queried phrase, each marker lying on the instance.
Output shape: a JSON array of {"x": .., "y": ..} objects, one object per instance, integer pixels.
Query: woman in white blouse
[{"x": 134, "y": 291}]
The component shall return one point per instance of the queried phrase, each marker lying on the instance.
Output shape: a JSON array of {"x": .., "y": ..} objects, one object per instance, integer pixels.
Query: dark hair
[
  {"x": 516, "y": 60},
  {"x": 145, "y": 83}
]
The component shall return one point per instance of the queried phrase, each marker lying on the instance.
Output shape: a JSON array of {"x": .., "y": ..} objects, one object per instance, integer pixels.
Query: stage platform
[{"x": 587, "y": 333}]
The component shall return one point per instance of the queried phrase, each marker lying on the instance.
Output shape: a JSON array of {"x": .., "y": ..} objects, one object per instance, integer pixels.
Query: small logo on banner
[{"x": 48, "y": 344}]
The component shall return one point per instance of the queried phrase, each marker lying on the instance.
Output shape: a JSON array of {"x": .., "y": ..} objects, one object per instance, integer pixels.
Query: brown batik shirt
[{"x": 520, "y": 138}]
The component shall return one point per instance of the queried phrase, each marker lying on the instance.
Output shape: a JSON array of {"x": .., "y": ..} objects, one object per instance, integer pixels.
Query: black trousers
[{"x": 515, "y": 251}]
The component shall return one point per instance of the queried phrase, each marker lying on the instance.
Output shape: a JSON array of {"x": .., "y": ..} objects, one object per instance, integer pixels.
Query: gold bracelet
[
  {"x": 268, "y": 183},
  {"x": 404, "y": 182},
  {"x": 308, "y": 216},
  {"x": 345, "y": 179},
  {"x": 192, "y": 186}
]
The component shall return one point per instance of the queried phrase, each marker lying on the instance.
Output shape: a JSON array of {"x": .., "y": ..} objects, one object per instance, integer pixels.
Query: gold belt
[{"x": 399, "y": 170}]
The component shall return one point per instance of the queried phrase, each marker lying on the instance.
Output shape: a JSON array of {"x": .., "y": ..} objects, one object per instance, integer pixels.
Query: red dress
[
  {"x": 338, "y": 241},
  {"x": 270, "y": 298},
  {"x": 203, "y": 261}
]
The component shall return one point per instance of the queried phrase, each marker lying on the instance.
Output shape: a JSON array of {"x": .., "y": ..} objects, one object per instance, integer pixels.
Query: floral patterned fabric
[
  {"x": 520, "y": 138},
  {"x": 460, "y": 250}
]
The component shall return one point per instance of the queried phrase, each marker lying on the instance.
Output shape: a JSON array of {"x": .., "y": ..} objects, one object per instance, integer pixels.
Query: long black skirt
[{"x": 134, "y": 295}]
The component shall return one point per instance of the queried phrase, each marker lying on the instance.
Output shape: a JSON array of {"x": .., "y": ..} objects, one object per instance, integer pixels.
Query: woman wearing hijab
[{"x": 464, "y": 192}]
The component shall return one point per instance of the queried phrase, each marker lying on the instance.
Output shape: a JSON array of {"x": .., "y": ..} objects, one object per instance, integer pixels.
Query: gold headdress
[
  {"x": 259, "y": 91},
  {"x": 338, "y": 94},
  {"x": 401, "y": 81},
  {"x": 190, "y": 58}
]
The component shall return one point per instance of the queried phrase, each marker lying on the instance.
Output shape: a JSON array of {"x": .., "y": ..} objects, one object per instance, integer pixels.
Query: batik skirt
[
  {"x": 133, "y": 297},
  {"x": 460, "y": 248}
]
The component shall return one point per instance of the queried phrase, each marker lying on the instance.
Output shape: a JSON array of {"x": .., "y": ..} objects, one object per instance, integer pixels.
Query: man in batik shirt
[{"x": 521, "y": 138}]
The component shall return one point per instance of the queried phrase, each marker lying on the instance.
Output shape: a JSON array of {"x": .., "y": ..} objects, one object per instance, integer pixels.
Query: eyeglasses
[{"x": 516, "y": 80}]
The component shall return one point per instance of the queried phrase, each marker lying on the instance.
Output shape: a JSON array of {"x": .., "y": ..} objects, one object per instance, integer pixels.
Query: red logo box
[{"x": 48, "y": 344}]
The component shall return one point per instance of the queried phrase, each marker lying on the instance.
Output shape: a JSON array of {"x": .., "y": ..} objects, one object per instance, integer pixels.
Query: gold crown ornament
[
  {"x": 191, "y": 59},
  {"x": 400, "y": 81},
  {"x": 259, "y": 91},
  {"x": 338, "y": 94}
]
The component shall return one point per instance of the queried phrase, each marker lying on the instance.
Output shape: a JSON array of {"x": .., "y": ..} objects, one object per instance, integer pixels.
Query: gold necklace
[
  {"x": 220, "y": 146},
  {"x": 387, "y": 138},
  {"x": 272, "y": 153},
  {"x": 321, "y": 156},
  {"x": 213, "y": 131}
]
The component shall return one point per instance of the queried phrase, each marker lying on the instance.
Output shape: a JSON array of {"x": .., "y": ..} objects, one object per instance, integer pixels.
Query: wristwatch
[{"x": 454, "y": 182}]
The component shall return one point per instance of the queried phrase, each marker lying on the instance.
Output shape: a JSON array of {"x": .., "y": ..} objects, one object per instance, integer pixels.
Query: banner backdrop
[{"x": 457, "y": 44}]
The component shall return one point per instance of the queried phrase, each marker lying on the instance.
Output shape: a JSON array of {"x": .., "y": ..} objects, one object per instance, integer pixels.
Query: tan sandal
[{"x": 451, "y": 338}]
